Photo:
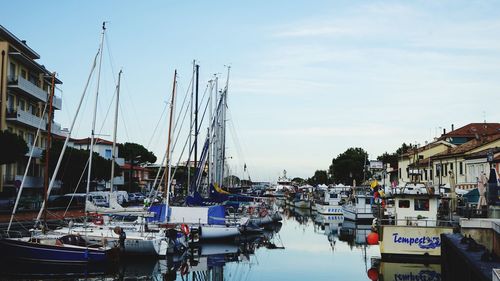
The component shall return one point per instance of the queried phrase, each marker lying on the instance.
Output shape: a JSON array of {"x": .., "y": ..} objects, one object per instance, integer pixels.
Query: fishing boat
[
  {"x": 358, "y": 207},
  {"x": 416, "y": 230},
  {"x": 330, "y": 202}
]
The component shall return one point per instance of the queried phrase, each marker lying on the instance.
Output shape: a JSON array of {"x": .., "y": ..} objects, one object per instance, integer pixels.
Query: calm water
[{"x": 305, "y": 247}]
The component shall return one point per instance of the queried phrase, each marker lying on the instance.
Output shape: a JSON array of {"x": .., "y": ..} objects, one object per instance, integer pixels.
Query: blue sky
[{"x": 309, "y": 79}]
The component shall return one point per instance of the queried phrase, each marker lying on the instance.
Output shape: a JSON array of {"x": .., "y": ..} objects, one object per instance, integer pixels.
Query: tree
[
  {"x": 349, "y": 166},
  {"x": 393, "y": 158},
  {"x": 320, "y": 177},
  {"x": 298, "y": 180},
  {"x": 12, "y": 147},
  {"x": 73, "y": 166},
  {"x": 135, "y": 152}
]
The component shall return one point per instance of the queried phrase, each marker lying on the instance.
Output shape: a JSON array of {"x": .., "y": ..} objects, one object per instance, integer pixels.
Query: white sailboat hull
[{"x": 218, "y": 232}]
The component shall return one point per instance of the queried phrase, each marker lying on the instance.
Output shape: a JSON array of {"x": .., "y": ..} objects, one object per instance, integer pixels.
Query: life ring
[
  {"x": 98, "y": 219},
  {"x": 185, "y": 229}
]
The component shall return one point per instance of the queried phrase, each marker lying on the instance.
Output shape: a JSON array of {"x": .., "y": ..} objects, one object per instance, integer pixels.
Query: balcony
[
  {"x": 57, "y": 102},
  {"x": 25, "y": 87},
  {"x": 37, "y": 151},
  {"x": 29, "y": 182},
  {"x": 56, "y": 130},
  {"x": 26, "y": 118}
]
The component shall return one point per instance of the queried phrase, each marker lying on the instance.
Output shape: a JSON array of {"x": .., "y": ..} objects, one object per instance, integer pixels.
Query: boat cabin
[{"x": 416, "y": 209}]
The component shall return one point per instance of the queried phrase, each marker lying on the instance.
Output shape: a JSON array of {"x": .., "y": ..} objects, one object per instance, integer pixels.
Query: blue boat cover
[
  {"x": 160, "y": 213},
  {"x": 216, "y": 215}
]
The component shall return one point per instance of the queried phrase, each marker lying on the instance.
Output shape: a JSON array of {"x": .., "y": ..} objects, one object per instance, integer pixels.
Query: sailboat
[{"x": 57, "y": 248}]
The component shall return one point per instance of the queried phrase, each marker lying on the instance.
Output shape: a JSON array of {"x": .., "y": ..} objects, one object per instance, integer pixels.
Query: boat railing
[
  {"x": 10, "y": 234},
  {"x": 415, "y": 221}
]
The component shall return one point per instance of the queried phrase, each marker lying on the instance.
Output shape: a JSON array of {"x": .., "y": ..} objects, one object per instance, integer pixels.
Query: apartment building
[{"x": 25, "y": 86}]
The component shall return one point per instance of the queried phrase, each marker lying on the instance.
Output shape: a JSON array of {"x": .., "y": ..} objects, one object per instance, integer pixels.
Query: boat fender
[{"x": 185, "y": 229}]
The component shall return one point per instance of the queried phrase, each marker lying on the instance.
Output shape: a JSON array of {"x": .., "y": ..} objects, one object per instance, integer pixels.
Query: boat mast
[
  {"x": 188, "y": 166},
  {"x": 113, "y": 156},
  {"x": 92, "y": 135},
  {"x": 168, "y": 180},
  {"x": 47, "y": 149},
  {"x": 223, "y": 141},
  {"x": 197, "y": 72}
]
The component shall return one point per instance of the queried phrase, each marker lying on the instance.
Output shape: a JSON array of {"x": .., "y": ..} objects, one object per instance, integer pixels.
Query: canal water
[{"x": 304, "y": 246}]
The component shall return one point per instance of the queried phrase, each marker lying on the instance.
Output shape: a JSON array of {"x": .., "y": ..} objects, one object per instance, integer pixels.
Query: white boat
[
  {"x": 417, "y": 230},
  {"x": 359, "y": 206},
  {"x": 330, "y": 202},
  {"x": 302, "y": 200},
  {"x": 207, "y": 232}
]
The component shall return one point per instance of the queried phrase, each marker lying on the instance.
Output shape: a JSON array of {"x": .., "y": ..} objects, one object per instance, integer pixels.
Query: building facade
[{"x": 25, "y": 87}]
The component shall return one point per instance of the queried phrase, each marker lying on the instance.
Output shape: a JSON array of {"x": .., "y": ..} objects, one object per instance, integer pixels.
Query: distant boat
[{"x": 359, "y": 207}]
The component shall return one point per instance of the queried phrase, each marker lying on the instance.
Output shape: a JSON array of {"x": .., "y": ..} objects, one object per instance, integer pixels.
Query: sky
[{"x": 308, "y": 79}]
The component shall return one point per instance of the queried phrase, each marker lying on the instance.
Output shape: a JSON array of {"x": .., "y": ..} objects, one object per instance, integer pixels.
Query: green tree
[
  {"x": 320, "y": 177},
  {"x": 74, "y": 164},
  {"x": 298, "y": 180},
  {"x": 394, "y": 157},
  {"x": 12, "y": 147},
  {"x": 349, "y": 165},
  {"x": 135, "y": 152}
]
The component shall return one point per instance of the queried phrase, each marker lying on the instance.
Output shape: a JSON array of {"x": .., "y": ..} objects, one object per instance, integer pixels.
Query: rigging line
[
  {"x": 182, "y": 123},
  {"x": 182, "y": 106},
  {"x": 77, "y": 185},
  {"x": 235, "y": 139},
  {"x": 124, "y": 123},
  {"x": 156, "y": 127}
]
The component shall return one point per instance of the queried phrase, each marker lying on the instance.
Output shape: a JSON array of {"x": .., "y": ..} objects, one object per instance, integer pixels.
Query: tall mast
[
  {"x": 168, "y": 180},
  {"x": 47, "y": 149},
  {"x": 113, "y": 157},
  {"x": 223, "y": 141},
  {"x": 94, "y": 115},
  {"x": 190, "y": 129},
  {"x": 197, "y": 71}
]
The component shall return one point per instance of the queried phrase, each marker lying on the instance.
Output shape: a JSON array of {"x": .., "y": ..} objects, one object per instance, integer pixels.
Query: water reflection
[{"x": 306, "y": 246}]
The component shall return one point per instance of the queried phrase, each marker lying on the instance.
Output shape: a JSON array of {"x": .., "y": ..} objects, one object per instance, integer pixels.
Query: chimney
[
  {"x": 444, "y": 131},
  {"x": 452, "y": 127},
  {"x": 24, "y": 42}
]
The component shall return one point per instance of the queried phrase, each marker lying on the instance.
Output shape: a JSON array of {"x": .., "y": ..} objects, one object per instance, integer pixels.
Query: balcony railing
[
  {"x": 57, "y": 102},
  {"x": 30, "y": 182},
  {"x": 28, "y": 88},
  {"x": 26, "y": 118},
  {"x": 37, "y": 151}
]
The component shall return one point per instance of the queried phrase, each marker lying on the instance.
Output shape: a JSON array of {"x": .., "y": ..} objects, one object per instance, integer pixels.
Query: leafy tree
[
  {"x": 320, "y": 177},
  {"x": 135, "y": 152},
  {"x": 74, "y": 164},
  {"x": 12, "y": 147},
  {"x": 349, "y": 165},
  {"x": 393, "y": 158},
  {"x": 298, "y": 180}
]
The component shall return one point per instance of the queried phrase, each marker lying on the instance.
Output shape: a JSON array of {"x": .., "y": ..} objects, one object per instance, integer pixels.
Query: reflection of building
[
  {"x": 104, "y": 148},
  {"x": 25, "y": 86}
]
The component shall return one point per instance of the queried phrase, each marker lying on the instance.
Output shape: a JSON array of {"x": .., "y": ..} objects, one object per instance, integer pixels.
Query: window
[
  {"x": 107, "y": 154},
  {"x": 10, "y": 103},
  {"x": 333, "y": 195},
  {"x": 438, "y": 170},
  {"x": 425, "y": 174},
  {"x": 451, "y": 166},
  {"x": 20, "y": 104},
  {"x": 33, "y": 109},
  {"x": 421, "y": 204},
  {"x": 404, "y": 203},
  {"x": 24, "y": 74},
  {"x": 12, "y": 71},
  {"x": 407, "y": 172},
  {"x": 431, "y": 176},
  {"x": 461, "y": 168},
  {"x": 445, "y": 170},
  {"x": 399, "y": 172}
]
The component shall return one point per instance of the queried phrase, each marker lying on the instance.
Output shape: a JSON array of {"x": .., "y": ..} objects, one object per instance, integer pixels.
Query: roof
[
  {"x": 468, "y": 146},
  {"x": 473, "y": 130},
  {"x": 87, "y": 141},
  {"x": 484, "y": 153},
  {"x": 18, "y": 43},
  {"x": 426, "y": 147}
]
